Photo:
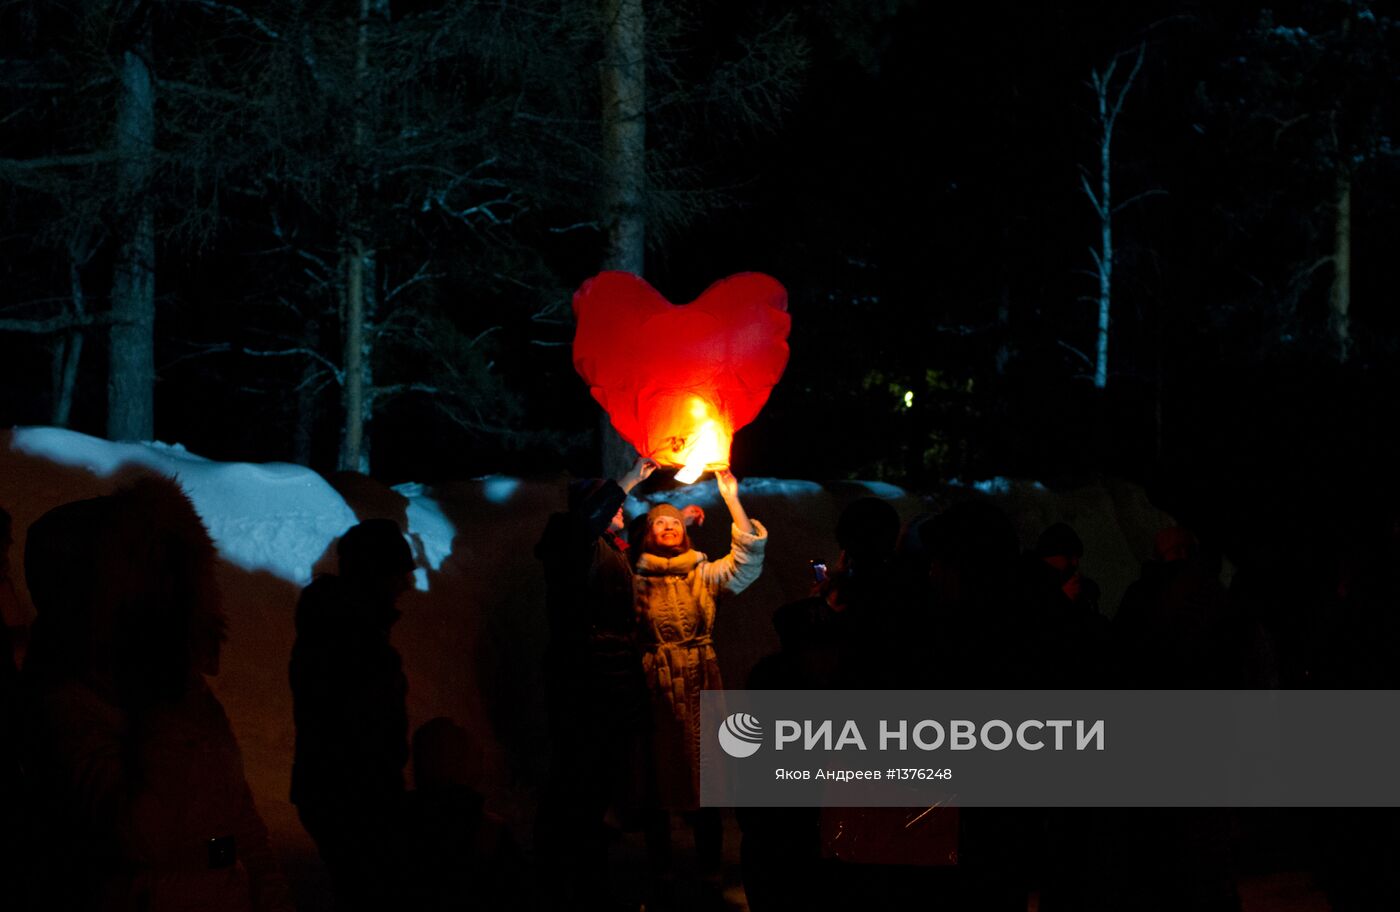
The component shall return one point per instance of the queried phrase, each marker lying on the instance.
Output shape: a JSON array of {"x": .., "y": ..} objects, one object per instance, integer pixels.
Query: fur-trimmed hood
[{"x": 649, "y": 564}]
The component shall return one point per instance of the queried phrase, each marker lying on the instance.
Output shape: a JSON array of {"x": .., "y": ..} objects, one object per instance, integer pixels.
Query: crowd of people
[
  {"x": 947, "y": 601},
  {"x": 121, "y": 782},
  {"x": 124, "y": 788}
]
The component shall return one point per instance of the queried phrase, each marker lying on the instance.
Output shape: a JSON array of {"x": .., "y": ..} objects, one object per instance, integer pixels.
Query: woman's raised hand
[{"x": 729, "y": 490}]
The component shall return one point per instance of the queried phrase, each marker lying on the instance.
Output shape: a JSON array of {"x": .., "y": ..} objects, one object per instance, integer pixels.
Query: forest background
[{"x": 1046, "y": 240}]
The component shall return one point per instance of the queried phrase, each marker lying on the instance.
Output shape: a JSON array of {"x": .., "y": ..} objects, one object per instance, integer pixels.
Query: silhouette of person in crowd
[
  {"x": 462, "y": 855},
  {"x": 9, "y": 608},
  {"x": 348, "y": 702},
  {"x": 139, "y": 798},
  {"x": 11, "y": 781},
  {"x": 831, "y": 639},
  {"x": 598, "y": 700},
  {"x": 1061, "y": 550},
  {"x": 9, "y": 672},
  {"x": 968, "y": 629},
  {"x": 1071, "y": 636},
  {"x": 1174, "y": 627}
]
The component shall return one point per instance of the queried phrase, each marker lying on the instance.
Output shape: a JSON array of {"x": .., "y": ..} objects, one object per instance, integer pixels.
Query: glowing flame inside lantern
[
  {"x": 707, "y": 450},
  {"x": 706, "y": 447}
]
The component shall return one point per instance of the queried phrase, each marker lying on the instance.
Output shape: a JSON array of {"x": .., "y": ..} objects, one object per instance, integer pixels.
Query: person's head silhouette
[{"x": 375, "y": 558}]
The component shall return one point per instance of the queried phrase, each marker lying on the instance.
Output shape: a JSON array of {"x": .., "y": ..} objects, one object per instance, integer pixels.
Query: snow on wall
[
  {"x": 272, "y": 516},
  {"x": 429, "y": 531},
  {"x": 704, "y": 494}
]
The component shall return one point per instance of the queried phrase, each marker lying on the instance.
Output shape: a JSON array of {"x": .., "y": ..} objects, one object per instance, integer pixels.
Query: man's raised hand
[{"x": 641, "y": 470}]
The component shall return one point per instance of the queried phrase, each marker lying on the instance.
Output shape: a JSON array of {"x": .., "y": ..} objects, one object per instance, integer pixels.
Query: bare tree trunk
[
  {"x": 1110, "y": 105},
  {"x": 1003, "y": 352},
  {"x": 624, "y": 161},
  {"x": 68, "y": 352},
  {"x": 354, "y": 454},
  {"x": 1341, "y": 270},
  {"x": 1105, "y": 260},
  {"x": 624, "y": 133},
  {"x": 131, "y": 372},
  {"x": 1159, "y": 383},
  {"x": 369, "y": 306}
]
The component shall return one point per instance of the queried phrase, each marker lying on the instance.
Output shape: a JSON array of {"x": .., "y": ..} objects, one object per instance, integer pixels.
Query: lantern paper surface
[{"x": 678, "y": 380}]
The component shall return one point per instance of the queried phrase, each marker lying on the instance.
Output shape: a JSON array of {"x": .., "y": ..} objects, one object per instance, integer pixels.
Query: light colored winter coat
[{"x": 676, "y": 607}]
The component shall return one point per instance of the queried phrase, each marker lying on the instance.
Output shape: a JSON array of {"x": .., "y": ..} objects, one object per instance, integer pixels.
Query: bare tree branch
[
  {"x": 577, "y": 226},
  {"x": 301, "y": 350},
  {"x": 198, "y": 91},
  {"x": 62, "y": 323},
  {"x": 1093, "y": 197},
  {"x": 1127, "y": 82},
  {"x": 236, "y": 14},
  {"x": 1137, "y": 198},
  {"x": 379, "y": 393},
  {"x": 77, "y": 160},
  {"x": 421, "y": 275},
  {"x": 1088, "y": 362}
]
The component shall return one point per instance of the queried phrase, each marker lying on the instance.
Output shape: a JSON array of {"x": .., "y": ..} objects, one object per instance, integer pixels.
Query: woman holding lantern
[
  {"x": 676, "y": 588},
  {"x": 677, "y": 382}
]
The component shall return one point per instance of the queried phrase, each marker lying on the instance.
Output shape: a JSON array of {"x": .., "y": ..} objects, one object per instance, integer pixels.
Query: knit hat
[{"x": 664, "y": 509}]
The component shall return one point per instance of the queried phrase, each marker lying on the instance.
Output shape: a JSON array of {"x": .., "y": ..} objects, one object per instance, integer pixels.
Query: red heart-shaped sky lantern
[{"x": 679, "y": 380}]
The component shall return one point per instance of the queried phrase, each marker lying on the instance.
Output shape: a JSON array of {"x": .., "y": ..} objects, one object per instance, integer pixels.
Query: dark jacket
[
  {"x": 1175, "y": 628},
  {"x": 463, "y": 856},
  {"x": 1066, "y": 640},
  {"x": 348, "y": 693},
  {"x": 593, "y": 660},
  {"x": 588, "y": 576},
  {"x": 139, "y": 797}
]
